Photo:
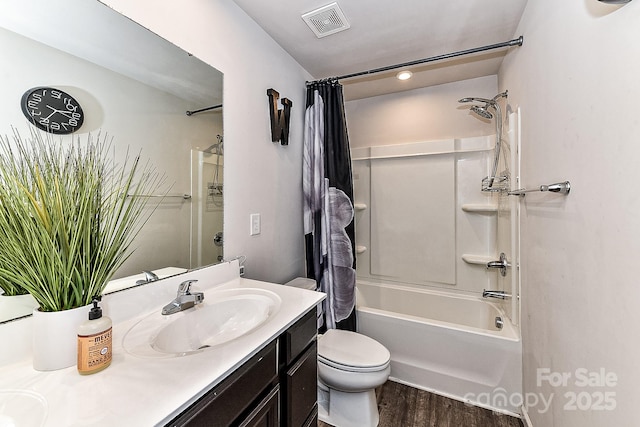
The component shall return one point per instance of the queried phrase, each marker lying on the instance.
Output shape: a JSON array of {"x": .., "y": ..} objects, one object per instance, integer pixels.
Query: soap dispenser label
[{"x": 94, "y": 351}]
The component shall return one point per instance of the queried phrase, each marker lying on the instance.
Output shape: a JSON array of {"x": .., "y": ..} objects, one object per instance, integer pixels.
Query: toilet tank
[{"x": 302, "y": 282}]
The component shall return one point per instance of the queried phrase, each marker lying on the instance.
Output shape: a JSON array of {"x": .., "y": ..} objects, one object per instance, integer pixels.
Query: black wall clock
[{"x": 52, "y": 110}]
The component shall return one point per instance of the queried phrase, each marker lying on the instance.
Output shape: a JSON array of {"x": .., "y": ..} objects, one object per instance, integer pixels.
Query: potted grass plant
[
  {"x": 68, "y": 216},
  {"x": 11, "y": 289}
]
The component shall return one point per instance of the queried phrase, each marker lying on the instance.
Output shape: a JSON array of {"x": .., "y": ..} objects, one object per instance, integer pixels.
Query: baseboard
[{"x": 525, "y": 417}]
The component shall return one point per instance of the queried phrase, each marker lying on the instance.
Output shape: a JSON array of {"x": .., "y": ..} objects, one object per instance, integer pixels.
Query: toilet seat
[{"x": 352, "y": 352}]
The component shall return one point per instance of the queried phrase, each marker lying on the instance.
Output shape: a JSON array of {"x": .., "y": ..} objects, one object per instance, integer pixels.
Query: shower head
[
  {"x": 482, "y": 111},
  {"x": 212, "y": 149},
  {"x": 217, "y": 148}
]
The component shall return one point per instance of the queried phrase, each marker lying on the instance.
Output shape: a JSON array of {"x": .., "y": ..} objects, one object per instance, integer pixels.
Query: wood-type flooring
[{"x": 403, "y": 406}]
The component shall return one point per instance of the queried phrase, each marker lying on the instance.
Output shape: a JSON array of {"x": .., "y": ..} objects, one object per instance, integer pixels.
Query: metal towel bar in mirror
[{"x": 182, "y": 196}]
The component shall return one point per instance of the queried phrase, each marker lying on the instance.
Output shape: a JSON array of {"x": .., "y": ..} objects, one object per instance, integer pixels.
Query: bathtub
[{"x": 445, "y": 343}]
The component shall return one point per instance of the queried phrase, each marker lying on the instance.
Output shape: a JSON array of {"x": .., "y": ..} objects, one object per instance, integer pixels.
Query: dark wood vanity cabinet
[
  {"x": 266, "y": 413},
  {"x": 276, "y": 387},
  {"x": 237, "y": 396},
  {"x": 299, "y": 372}
]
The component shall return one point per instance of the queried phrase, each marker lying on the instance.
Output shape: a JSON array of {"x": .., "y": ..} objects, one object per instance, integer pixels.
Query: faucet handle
[{"x": 185, "y": 287}]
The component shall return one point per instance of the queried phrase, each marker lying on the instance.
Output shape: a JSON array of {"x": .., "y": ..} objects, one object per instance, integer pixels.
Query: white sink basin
[
  {"x": 222, "y": 317},
  {"x": 22, "y": 408}
]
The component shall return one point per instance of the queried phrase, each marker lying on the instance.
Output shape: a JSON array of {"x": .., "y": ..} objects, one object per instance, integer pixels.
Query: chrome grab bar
[{"x": 558, "y": 187}]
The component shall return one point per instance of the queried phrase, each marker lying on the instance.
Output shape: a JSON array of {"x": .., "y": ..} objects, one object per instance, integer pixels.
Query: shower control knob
[{"x": 502, "y": 264}]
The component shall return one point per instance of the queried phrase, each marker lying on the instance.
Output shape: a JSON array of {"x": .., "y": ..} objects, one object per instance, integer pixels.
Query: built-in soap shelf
[
  {"x": 360, "y": 206},
  {"x": 360, "y": 249},
  {"x": 479, "y": 208},
  {"x": 478, "y": 259}
]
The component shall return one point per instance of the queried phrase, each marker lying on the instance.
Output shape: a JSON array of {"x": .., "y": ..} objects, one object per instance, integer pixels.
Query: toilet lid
[{"x": 351, "y": 351}]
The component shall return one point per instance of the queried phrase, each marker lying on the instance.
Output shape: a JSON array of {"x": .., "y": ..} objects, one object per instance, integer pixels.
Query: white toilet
[{"x": 350, "y": 367}]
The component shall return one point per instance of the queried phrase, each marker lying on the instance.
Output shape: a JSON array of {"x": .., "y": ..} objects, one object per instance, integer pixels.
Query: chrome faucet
[
  {"x": 184, "y": 300},
  {"x": 495, "y": 294},
  {"x": 149, "y": 276}
]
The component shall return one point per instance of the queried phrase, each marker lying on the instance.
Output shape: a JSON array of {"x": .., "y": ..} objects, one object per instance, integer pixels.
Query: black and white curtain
[{"x": 328, "y": 204}]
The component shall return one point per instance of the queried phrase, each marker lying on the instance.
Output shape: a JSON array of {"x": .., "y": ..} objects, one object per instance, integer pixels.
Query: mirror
[{"x": 136, "y": 88}]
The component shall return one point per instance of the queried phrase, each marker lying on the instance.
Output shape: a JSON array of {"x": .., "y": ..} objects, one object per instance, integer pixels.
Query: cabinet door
[
  {"x": 267, "y": 413},
  {"x": 301, "y": 388}
]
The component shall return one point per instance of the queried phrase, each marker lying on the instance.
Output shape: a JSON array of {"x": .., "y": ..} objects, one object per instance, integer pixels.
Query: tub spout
[{"x": 495, "y": 294}]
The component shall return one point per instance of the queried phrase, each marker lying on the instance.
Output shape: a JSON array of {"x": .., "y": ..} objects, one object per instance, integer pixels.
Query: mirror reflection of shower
[
  {"x": 484, "y": 110},
  {"x": 207, "y": 174},
  {"x": 214, "y": 186}
]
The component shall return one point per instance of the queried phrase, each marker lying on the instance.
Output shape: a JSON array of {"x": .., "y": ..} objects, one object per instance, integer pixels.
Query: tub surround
[
  {"x": 419, "y": 233},
  {"x": 137, "y": 391}
]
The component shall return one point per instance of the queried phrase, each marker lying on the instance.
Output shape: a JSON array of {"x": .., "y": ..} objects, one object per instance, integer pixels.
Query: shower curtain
[{"x": 328, "y": 204}]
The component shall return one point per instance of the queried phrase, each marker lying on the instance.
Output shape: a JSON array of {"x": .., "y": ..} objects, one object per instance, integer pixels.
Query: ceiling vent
[{"x": 326, "y": 20}]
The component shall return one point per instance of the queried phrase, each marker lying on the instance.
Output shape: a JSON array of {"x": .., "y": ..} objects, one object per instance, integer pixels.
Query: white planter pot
[
  {"x": 55, "y": 336},
  {"x": 16, "y": 306}
]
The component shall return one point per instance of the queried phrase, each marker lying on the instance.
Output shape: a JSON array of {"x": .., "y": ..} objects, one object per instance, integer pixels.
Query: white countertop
[{"x": 134, "y": 391}]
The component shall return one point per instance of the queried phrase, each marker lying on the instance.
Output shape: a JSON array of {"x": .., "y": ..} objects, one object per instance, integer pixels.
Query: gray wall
[{"x": 576, "y": 80}]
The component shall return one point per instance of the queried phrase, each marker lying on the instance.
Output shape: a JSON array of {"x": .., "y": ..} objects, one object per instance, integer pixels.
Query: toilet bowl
[{"x": 350, "y": 367}]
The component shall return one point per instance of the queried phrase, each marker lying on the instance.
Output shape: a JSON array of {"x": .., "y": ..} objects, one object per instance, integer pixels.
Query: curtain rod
[
  {"x": 203, "y": 109},
  {"x": 514, "y": 42}
]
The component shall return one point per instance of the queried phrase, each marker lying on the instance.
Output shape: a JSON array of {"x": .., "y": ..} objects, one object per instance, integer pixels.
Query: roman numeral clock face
[{"x": 52, "y": 110}]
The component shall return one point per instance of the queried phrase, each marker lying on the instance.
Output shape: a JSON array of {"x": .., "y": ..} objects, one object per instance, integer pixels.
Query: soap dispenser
[{"x": 94, "y": 342}]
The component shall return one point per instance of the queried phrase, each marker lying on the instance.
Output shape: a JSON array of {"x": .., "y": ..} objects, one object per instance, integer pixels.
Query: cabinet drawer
[
  {"x": 299, "y": 336},
  {"x": 301, "y": 388},
  {"x": 267, "y": 412},
  {"x": 234, "y": 395}
]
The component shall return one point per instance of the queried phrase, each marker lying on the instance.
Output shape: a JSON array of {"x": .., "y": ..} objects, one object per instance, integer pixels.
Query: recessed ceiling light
[{"x": 404, "y": 75}]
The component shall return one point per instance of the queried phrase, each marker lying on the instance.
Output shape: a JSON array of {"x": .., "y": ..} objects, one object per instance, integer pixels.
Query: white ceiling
[{"x": 385, "y": 32}]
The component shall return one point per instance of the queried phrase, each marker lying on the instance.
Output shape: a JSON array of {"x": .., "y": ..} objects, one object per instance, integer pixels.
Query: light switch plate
[{"x": 255, "y": 224}]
